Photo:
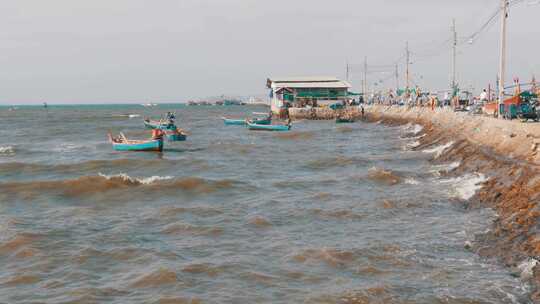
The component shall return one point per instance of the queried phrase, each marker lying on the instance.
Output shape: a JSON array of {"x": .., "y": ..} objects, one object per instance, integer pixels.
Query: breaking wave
[
  {"x": 466, "y": 186},
  {"x": 17, "y": 168},
  {"x": 439, "y": 150},
  {"x": 412, "y": 129},
  {"x": 88, "y": 185},
  {"x": 7, "y": 151},
  {"x": 132, "y": 180}
]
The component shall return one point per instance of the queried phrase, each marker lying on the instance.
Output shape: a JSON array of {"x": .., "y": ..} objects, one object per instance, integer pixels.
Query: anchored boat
[
  {"x": 158, "y": 124},
  {"x": 175, "y": 135},
  {"x": 242, "y": 122},
  {"x": 258, "y": 127},
  {"x": 122, "y": 143},
  {"x": 345, "y": 120},
  {"x": 234, "y": 122}
]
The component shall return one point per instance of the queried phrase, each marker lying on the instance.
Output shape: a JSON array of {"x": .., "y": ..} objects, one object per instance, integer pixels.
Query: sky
[{"x": 116, "y": 51}]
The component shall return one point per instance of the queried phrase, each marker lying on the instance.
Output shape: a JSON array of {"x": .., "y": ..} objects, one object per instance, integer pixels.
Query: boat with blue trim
[{"x": 122, "y": 143}]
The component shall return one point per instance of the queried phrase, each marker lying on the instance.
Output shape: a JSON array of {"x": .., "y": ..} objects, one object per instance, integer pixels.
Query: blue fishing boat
[
  {"x": 258, "y": 127},
  {"x": 261, "y": 121},
  {"x": 175, "y": 135},
  {"x": 161, "y": 124},
  {"x": 234, "y": 122},
  {"x": 121, "y": 143},
  {"x": 345, "y": 120}
]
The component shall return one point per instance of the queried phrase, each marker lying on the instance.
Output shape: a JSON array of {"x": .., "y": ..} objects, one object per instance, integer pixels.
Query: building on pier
[{"x": 299, "y": 92}]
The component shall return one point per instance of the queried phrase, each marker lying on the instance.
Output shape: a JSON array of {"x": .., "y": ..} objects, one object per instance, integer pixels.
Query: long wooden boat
[
  {"x": 261, "y": 121},
  {"x": 124, "y": 144},
  {"x": 156, "y": 124},
  {"x": 234, "y": 122},
  {"x": 344, "y": 120},
  {"x": 175, "y": 135},
  {"x": 258, "y": 127}
]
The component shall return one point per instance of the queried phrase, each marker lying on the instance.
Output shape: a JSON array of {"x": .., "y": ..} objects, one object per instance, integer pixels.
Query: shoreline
[{"x": 507, "y": 154}]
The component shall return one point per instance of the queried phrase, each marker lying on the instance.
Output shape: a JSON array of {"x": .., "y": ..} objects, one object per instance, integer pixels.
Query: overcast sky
[{"x": 98, "y": 51}]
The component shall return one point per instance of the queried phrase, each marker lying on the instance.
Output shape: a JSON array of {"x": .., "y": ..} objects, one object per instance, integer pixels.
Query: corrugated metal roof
[
  {"x": 304, "y": 79},
  {"x": 323, "y": 85}
]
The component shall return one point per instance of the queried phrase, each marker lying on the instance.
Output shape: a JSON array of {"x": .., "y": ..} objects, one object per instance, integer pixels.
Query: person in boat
[
  {"x": 116, "y": 139},
  {"x": 157, "y": 134},
  {"x": 171, "y": 116}
]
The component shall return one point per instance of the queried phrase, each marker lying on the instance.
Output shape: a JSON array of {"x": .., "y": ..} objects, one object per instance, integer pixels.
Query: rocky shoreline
[{"x": 506, "y": 153}]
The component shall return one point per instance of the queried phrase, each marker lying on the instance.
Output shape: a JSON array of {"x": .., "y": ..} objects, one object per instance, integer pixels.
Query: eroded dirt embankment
[{"x": 507, "y": 153}]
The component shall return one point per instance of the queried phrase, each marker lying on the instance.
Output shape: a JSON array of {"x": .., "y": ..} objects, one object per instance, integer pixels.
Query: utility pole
[
  {"x": 397, "y": 78},
  {"x": 502, "y": 63},
  {"x": 454, "y": 54},
  {"x": 408, "y": 58},
  {"x": 365, "y": 76}
]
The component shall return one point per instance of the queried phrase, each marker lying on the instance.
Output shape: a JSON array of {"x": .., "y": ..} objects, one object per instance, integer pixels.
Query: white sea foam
[
  {"x": 448, "y": 167},
  {"x": 413, "y": 128},
  {"x": 143, "y": 181},
  {"x": 413, "y": 144},
  {"x": 465, "y": 187},
  {"x": 527, "y": 267},
  {"x": 411, "y": 181},
  {"x": 7, "y": 150},
  {"x": 134, "y": 115},
  {"x": 438, "y": 150}
]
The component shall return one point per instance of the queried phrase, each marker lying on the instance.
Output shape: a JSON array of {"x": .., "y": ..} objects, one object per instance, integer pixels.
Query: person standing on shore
[{"x": 484, "y": 96}]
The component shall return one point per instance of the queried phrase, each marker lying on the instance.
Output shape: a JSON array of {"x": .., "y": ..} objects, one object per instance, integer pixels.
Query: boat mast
[
  {"x": 365, "y": 76},
  {"x": 502, "y": 62},
  {"x": 397, "y": 78},
  {"x": 454, "y": 54},
  {"x": 407, "y": 55}
]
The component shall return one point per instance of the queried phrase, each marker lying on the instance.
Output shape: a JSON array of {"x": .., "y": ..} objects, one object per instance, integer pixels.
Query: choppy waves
[{"x": 90, "y": 185}]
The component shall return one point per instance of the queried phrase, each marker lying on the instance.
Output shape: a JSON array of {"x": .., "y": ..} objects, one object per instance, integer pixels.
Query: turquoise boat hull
[
  {"x": 157, "y": 125},
  {"x": 344, "y": 120},
  {"x": 150, "y": 145},
  {"x": 261, "y": 121},
  {"x": 176, "y": 137},
  {"x": 258, "y": 127},
  {"x": 234, "y": 122}
]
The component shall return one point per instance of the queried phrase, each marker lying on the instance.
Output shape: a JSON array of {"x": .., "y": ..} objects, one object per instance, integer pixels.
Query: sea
[{"x": 325, "y": 213}]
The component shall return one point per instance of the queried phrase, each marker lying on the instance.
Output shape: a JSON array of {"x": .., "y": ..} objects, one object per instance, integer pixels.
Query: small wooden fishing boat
[
  {"x": 261, "y": 121},
  {"x": 158, "y": 124},
  {"x": 259, "y": 127},
  {"x": 121, "y": 143},
  {"x": 345, "y": 120},
  {"x": 234, "y": 122},
  {"x": 175, "y": 135}
]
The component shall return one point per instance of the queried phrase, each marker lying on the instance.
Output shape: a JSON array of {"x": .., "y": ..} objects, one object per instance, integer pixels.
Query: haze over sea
[{"x": 325, "y": 213}]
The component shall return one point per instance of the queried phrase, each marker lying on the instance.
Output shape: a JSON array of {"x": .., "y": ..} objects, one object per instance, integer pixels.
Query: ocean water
[{"x": 325, "y": 213}]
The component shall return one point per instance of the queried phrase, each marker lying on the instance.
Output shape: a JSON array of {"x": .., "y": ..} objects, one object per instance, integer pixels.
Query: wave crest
[
  {"x": 93, "y": 184},
  {"x": 439, "y": 150},
  {"x": 7, "y": 151}
]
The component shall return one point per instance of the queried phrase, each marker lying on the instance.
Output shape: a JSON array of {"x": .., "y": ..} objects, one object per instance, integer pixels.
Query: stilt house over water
[{"x": 299, "y": 92}]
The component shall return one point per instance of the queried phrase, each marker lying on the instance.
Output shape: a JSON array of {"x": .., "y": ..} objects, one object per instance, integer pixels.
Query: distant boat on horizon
[{"x": 148, "y": 105}]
